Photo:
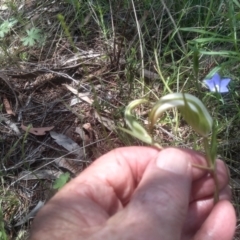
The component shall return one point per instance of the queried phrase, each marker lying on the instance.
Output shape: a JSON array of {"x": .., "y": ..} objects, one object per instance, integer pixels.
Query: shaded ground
[{"x": 35, "y": 90}]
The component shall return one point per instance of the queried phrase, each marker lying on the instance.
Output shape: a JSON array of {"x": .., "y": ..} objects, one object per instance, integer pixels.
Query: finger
[
  {"x": 161, "y": 198},
  {"x": 110, "y": 181},
  {"x": 220, "y": 224},
  {"x": 205, "y": 186},
  {"x": 199, "y": 211},
  {"x": 123, "y": 168},
  {"x": 107, "y": 185},
  {"x": 92, "y": 197}
]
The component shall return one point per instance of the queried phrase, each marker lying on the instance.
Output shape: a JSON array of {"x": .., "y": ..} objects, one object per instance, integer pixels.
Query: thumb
[{"x": 160, "y": 203}]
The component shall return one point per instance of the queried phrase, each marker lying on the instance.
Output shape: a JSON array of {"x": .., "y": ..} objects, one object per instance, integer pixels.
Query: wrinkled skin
[{"x": 140, "y": 193}]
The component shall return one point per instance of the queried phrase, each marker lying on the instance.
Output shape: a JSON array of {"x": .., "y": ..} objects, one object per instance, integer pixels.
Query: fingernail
[{"x": 173, "y": 161}]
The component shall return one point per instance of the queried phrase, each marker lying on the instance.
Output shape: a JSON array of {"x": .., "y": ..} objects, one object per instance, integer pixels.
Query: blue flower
[{"x": 217, "y": 84}]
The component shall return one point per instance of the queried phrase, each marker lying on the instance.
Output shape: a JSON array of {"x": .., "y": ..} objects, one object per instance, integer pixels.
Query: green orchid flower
[
  {"x": 195, "y": 114},
  {"x": 192, "y": 109}
]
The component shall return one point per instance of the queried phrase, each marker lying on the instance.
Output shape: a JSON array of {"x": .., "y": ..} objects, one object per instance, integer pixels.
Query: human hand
[{"x": 140, "y": 193}]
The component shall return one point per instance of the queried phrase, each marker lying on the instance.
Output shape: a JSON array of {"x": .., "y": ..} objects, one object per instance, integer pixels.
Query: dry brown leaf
[
  {"x": 80, "y": 132},
  {"x": 82, "y": 96},
  {"x": 87, "y": 126},
  {"x": 8, "y": 106},
  {"x": 106, "y": 122},
  {"x": 82, "y": 135},
  {"x": 40, "y": 174},
  {"x": 37, "y": 131},
  {"x": 67, "y": 143},
  {"x": 69, "y": 164},
  {"x": 10, "y": 124}
]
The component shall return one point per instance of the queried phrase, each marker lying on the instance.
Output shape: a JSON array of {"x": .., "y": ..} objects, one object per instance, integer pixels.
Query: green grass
[{"x": 182, "y": 44}]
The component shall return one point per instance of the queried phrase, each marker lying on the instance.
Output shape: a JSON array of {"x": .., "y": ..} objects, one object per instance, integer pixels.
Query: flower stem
[
  {"x": 216, "y": 191},
  {"x": 212, "y": 168}
]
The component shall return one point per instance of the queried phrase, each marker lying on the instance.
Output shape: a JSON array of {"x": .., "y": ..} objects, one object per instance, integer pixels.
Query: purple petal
[
  {"x": 223, "y": 89},
  {"x": 224, "y": 83},
  {"x": 216, "y": 79},
  {"x": 210, "y": 84}
]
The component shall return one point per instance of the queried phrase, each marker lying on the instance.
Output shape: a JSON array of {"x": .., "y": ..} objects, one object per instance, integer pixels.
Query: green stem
[
  {"x": 216, "y": 192},
  {"x": 212, "y": 168},
  {"x": 201, "y": 167}
]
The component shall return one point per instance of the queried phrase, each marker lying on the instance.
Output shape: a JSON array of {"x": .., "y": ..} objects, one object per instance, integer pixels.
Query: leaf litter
[
  {"x": 7, "y": 106},
  {"x": 67, "y": 143},
  {"x": 40, "y": 131},
  {"x": 32, "y": 161}
]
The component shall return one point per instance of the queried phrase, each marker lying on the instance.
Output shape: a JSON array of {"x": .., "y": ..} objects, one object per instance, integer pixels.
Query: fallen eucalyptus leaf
[
  {"x": 82, "y": 135},
  {"x": 74, "y": 101},
  {"x": 82, "y": 96},
  {"x": 72, "y": 165},
  {"x": 40, "y": 174},
  {"x": 106, "y": 122},
  {"x": 10, "y": 124},
  {"x": 67, "y": 143},
  {"x": 36, "y": 131},
  {"x": 7, "y": 106}
]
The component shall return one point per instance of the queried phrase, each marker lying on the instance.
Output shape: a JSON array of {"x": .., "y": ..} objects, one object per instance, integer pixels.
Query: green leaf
[
  {"x": 200, "y": 31},
  {"x": 6, "y": 26},
  {"x": 34, "y": 35},
  {"x": 196, "y": 61},
  {"x": 221, "y": 53},
  {"x": 61, "y": 180},
  {"x": 211, "y": 40}
]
